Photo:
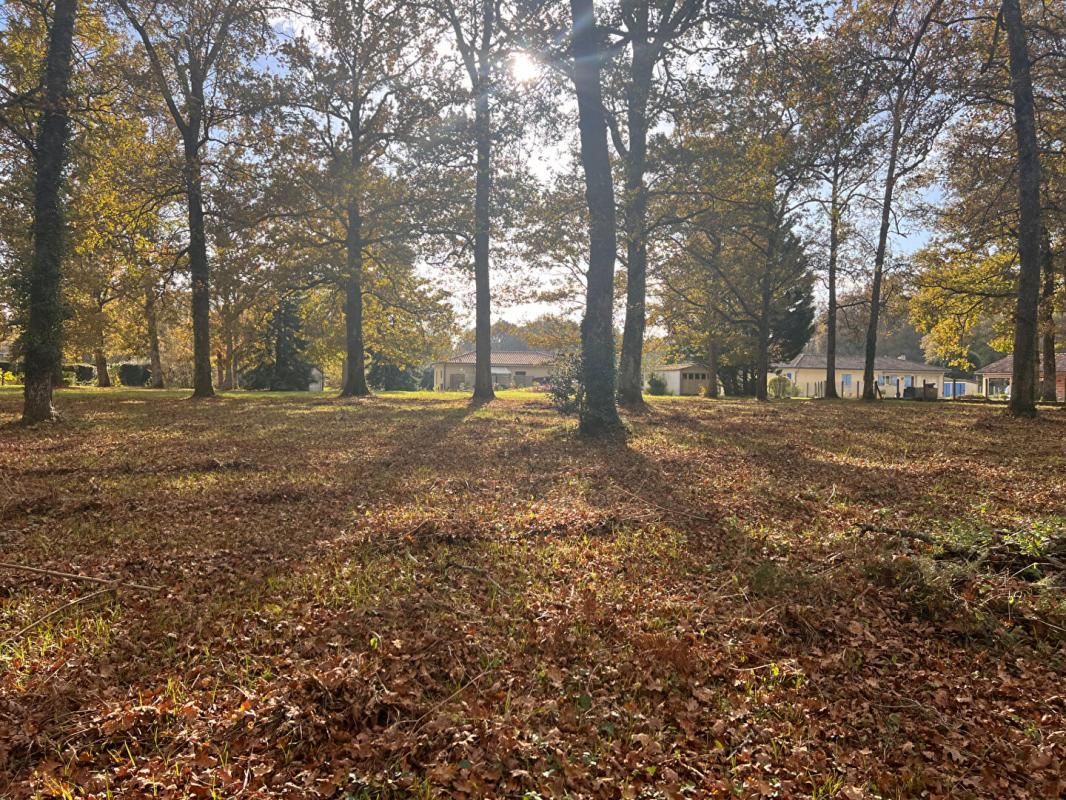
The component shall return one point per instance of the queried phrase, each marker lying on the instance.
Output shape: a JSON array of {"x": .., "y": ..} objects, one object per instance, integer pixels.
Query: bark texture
[
  {"x": 630, "y": 383},
  {"x": 103, "y": 379},
  {"x": 152, "y": 322},
  {"x": 869, "y": 384},
  {"x": 762, "y": 356},
  {"x": 831, "y": 311},
  {"x": 1048, "y": 392},
  {"x": 42, "y": 340},
  {"x": 199, "y": 269},
  {"x": 599, "y": 414},
  {"x": 1024, "y": 378},
  {"x": 712, "y": 364},
  {"x": 355, "y": 361},
  {"x": 482, "y": 211}
]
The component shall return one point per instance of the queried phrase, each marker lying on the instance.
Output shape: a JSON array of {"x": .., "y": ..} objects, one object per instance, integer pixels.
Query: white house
[
  {"x": 510, "y": 368},
  {"x": 893, "y": 375}
]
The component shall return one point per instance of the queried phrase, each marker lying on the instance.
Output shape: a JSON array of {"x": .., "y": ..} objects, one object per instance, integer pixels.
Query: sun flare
[{"x": 523, "y": 67}]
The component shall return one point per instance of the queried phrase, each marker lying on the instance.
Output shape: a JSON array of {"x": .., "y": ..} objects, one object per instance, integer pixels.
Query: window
[
  {"x": 788, "y": 375},
  {"x": 960, "y": 389},
  {"x": 845, "y": 379}
]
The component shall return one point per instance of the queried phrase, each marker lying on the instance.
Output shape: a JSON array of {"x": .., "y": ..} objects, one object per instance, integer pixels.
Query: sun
[{"x": 523, "y": 67}]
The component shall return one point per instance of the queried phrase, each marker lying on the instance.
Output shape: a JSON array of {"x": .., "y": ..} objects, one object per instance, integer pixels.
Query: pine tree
[{"x": 281, "y": 365}]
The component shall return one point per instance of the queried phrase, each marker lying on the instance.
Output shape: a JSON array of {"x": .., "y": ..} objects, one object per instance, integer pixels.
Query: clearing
[{"x": 408, "y": 596}]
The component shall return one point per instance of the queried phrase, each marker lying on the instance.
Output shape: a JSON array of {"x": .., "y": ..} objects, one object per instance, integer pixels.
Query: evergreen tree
[{"x": 281, "y": 365}]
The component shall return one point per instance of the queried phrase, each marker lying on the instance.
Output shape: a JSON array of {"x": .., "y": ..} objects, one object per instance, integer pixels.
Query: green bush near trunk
[{"x": 134, "y": 374}]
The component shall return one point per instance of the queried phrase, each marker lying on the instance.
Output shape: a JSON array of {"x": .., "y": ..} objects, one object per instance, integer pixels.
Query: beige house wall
[
  {"x": 809, "y": 380},
  {"x": 453, "y": 377}
]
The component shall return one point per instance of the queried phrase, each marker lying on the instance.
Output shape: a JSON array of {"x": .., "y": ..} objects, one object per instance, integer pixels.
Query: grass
[{"x": 410, "y": 596}]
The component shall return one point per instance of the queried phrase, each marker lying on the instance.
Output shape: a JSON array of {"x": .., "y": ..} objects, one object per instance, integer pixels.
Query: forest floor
[{"x": 411, "y": 597}]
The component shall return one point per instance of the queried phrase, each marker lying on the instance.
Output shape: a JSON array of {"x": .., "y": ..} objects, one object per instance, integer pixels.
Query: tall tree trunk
[
  {"x": 103, "y": 380},
  {"x": 712, "y": 366},
  {"x": 482, "y": 214},
  {"x": 232, "y": 382},
  {"x": 355, "y": 361},
  {"x": 199, "y": 271},
  {"x": 762, "y": 356},
  {"x": 1048, "y": 391},
  {"x": 831, "y": 311},
  {"x": 869, "y": 388},
  {"x": 42, "y": 339},
  {"x": 1023, "y": 379},
  {"x": 635, "y": 214},
  {"x": 599, "y": 414},
  {"x": 153, "y": 339}
]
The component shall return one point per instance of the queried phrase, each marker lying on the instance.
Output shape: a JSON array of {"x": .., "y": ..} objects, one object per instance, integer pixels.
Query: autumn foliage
[{"x": 410, "y": 596}]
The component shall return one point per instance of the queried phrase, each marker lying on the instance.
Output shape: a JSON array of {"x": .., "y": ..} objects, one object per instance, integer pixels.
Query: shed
[{"x": 688, "y": 378}]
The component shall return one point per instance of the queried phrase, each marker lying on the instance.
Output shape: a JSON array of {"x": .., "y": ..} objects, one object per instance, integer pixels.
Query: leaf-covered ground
[{"x": 408, "y": 596}]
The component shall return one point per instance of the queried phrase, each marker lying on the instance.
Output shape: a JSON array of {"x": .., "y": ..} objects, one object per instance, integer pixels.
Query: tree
[
  {"x": 1023, "y": 379},
  {"x": 915, "y": 104},
  {"x": 195, "y": 49},
  {"x": 1048, "y": 297},
  {"x": 407, "y": 322},
  {"x": 121, "y": 184},
  {"x": 352, "y": 86},
  {"x": 737, "y": 183},
  {"x": 962, "y": 301},
  {"x": 42, "y": 339},
  {"x": 599, "y": 415},
  {"x": 650, "y": 29},
  {"x": 281, "y": 365},
  {"x": 476, "y": 39},
  {"x": 836, "y": 116},
  {"x": 979, "y": 218}
]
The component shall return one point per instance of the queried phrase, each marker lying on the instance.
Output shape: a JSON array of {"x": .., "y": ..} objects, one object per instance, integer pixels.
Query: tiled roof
[
  {"x": 1005, "y": 366},
  {"x": 508, "y": 358},
  {"x": 881, "y": 364}
]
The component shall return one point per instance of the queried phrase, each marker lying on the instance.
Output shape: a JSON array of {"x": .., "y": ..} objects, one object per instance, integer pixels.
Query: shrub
[
  {"x": 388, "y": 377},
  {"x": 566, "y": 386},
  {"x": 78, "y": 374},
  {"x": 656, "y": 385},
  {"x": 134, "y": 374},
  {"x": 781, "y": 387}
]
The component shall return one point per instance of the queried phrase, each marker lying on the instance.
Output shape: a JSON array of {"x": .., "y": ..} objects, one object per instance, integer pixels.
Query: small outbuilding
[{"x": 688, "y": 378}]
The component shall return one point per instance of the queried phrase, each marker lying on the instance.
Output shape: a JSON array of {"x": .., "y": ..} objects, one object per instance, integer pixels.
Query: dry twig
[{"x": 73, "y": 576}]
